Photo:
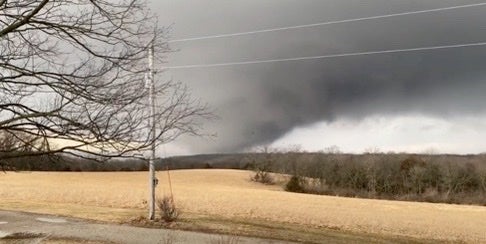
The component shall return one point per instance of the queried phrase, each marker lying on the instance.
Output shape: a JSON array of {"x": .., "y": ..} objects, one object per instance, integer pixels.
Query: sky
[{"x": 419, "y": 102}]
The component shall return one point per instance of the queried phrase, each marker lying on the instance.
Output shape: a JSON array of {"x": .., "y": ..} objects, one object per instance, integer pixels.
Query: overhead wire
[
  {"x": 326, "y": 23},
  {"x": 417, "y": 49}
]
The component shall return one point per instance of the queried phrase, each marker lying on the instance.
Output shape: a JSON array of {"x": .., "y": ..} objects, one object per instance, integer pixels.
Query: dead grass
[{"x": 229, "y": 195}]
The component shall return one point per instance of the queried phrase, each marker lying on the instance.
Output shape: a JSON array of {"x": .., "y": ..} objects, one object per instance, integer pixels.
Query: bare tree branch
[{"x": 72, "y": 80}]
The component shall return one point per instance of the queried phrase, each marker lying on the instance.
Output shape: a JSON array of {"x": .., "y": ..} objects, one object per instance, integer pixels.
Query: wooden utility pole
[{"x": 151, "y": 87}]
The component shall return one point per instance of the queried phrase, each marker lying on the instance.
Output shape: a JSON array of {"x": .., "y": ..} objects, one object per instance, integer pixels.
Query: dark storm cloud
[{"x": 260, "y": 103}]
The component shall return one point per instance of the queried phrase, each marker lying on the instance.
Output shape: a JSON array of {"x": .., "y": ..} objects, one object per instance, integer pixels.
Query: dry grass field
[{"x": 228, "y": 196}]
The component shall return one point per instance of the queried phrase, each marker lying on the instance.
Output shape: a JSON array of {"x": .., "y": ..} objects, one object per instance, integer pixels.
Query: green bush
[{"x": 295, "y": 184}]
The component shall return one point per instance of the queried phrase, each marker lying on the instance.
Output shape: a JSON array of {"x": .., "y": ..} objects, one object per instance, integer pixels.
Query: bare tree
[
  {"x": 263, "y": 161},
  {"x": 72, "y": 79}
]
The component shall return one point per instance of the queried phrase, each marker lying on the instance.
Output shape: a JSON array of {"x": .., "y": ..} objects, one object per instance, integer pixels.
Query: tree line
[{"x": 430, "y": 178}]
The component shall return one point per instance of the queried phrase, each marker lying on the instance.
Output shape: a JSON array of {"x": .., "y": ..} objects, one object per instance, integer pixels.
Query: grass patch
[
  {"x": 22, "y": 236},
  {"x": 288, "y": 232},
  {"x": 93, "y": 213},
  {"x": 228, "y": 202},
  {"x": 209, "y": 224}
]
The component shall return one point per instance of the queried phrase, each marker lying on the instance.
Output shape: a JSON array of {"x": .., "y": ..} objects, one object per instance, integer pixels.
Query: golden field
[{"x": 229, "y": 194}]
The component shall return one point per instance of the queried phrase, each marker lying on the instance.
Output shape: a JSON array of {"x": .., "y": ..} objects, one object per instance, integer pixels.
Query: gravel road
[{"x": 41, "y": 228}]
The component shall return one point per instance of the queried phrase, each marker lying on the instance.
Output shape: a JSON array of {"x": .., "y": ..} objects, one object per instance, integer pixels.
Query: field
[{"x": 227, "y": 201}]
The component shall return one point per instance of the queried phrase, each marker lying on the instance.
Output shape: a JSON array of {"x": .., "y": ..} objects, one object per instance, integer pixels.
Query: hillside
[{"x": 226, "y": 200}]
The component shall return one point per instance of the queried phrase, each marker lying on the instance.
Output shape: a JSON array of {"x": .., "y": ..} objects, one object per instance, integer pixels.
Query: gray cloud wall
[{"x": 260, "y": 103}]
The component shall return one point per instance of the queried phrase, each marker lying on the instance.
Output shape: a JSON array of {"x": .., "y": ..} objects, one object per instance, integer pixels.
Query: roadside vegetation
[{"x": 167, "y": 209}]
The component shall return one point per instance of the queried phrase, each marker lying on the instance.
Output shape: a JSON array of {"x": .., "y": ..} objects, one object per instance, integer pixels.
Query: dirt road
[{"x": 35, "y": 228}]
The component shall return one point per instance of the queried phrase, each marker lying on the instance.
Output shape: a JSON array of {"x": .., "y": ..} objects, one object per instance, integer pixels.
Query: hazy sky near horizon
[{"x": 412, "y": 101}]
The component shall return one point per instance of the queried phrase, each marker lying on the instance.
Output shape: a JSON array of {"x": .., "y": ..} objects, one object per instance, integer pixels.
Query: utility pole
[{"x": 151, "y": 87}]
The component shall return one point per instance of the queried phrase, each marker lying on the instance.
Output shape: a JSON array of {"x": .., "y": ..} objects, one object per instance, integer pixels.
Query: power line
[
  {"x": 326, "y": 23},
  {"x": 328, "y": 56}
]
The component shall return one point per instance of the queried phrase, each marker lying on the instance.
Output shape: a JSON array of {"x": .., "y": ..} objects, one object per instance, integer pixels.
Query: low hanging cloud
[{"x": 260, "y": 103}]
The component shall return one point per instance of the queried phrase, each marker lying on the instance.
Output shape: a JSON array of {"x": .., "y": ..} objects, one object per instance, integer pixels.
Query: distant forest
[
  {"x": 300, "y": 163},
  {"x": 70, "y": 163},
  {"x": 415, "y": 177}
]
